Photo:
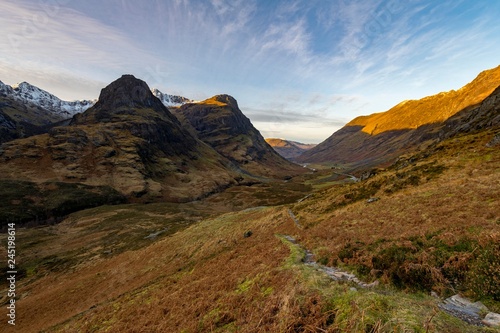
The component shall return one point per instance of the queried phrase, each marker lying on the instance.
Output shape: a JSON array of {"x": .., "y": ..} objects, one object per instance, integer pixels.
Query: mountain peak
[
  {"x": 223, "y": 98},
  {"x": 127, "y": 91},
  {"x": 121, "y": 98}
]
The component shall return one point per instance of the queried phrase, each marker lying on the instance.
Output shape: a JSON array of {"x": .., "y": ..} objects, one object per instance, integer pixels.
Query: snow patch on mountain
[
  {"x": 27, "y": 93},
  {"x": 170, "y": 100}
]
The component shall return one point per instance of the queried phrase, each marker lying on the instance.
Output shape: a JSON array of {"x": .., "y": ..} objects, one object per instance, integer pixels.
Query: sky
[{"x": 299, "y": 69}]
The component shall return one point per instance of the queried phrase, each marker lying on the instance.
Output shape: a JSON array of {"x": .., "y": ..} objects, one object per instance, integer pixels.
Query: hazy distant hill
[
  {"x": 289, "y": 149},
  {"x": 381, "y": 137}
]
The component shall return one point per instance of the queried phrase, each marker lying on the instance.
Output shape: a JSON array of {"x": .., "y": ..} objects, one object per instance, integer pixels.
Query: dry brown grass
[
  {"x": 453, "y": 212},
  {"x": 178, "y": 281},
  {"x": 210, "y": 278}
]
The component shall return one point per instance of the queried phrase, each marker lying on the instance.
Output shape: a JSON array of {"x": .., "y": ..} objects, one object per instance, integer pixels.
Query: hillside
[
  {"x": 289, "y": 149},
  {"x": 219, "y": 122},
  {"x": 379, "y": 138},
  {"x": 241, "y": 271}
]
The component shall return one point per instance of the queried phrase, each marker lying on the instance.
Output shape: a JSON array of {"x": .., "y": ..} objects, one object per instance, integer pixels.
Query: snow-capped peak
[{"x": 28, "y": 93}]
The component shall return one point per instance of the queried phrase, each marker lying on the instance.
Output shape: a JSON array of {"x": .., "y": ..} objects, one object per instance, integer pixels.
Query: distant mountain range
[
  {"x": 289, "y": 149},
  {"x": 378, "y": 139},
  {"x": 27, "y": 93}
]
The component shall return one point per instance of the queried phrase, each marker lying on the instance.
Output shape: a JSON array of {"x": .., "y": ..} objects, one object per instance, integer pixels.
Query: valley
[{"x": 138, "y": 217}]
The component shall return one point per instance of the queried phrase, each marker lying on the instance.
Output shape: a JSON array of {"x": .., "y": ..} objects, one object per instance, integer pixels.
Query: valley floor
[{"x": 430, "y": 224}]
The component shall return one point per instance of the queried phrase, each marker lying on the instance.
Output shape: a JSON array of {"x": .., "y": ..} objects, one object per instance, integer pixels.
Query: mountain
[
  {"x": 129, "y": 141},
  {"x": 379, "y": 138},
  {"x": 219, "y": 122},
  {"x": 27, "y": 93},
  {"x": 289, "y": 149},
  {"x": 20, "y": 119},
  {"x": 26, "y": 110}
]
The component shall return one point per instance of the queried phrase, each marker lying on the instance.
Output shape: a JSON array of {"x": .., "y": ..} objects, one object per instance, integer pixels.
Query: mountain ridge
[
  {"x": 128, "y": 140},
  {"x": 377, "y": 139},
  {"x": 27, "y": 110},
  {"x": 130, "y": 144}
]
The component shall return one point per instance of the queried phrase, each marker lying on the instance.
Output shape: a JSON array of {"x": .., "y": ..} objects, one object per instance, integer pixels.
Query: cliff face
[{"x": 219, "y": 122}]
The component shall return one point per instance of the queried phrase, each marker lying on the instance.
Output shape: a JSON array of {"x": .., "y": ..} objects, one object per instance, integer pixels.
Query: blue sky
[{"x": 299, "y": 69}]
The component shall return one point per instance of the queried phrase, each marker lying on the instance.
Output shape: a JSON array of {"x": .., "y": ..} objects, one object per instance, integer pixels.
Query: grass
[{"x": 421, "y": 235}]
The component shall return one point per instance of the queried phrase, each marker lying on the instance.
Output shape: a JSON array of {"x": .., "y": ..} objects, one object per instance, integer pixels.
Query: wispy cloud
[
  {"x": 301, "y": 61},
  {"x": 62, "y": 37},
  {"x": 289, "y": 37}
]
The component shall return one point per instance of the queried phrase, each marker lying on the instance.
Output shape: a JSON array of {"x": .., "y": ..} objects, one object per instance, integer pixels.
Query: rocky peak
[
  {"x": 122, "y": 101},
  {"x": 226, "y": 99},
  {"x": 127, "y": 91}
]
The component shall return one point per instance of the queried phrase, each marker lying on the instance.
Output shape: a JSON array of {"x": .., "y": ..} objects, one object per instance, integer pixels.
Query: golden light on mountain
[{"x": 412, "y": 114}]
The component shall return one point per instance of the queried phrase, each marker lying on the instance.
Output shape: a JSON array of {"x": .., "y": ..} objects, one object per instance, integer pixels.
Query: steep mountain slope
[
  {"x": 379, "y": 138},
  {"x": 219, "y": 122},
  {"x": 289, "y": 149},
  {"x": 128, "y": 140}
]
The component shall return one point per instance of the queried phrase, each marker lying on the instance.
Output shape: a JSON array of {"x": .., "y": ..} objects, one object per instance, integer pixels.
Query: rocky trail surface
[{"x": 457, "y": 306}]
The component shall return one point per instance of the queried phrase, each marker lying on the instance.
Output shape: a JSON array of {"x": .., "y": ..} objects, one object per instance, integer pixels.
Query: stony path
[
  {"x": 334, "y": 273},
  {"x": 294, "y": 218},
  {"x": 463, "y": 309},
  {"x": 457, "y": 306}
]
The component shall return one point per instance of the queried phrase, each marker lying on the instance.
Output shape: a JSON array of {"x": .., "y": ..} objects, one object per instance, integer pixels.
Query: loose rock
[{"x": 492, "y": 319}]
